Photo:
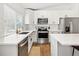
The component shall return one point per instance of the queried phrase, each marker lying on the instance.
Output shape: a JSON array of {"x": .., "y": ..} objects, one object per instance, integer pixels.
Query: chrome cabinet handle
[{"x": 21, "y": 45}]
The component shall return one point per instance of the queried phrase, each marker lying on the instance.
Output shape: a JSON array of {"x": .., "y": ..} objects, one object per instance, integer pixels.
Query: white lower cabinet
[
  {"x": 8, "y": 50},
  {"x": 59, "y": 50},
  {"x": 53, "y": 46},
  {"x": 34, "y": 36},
  {"x": 64, "y": 50}
]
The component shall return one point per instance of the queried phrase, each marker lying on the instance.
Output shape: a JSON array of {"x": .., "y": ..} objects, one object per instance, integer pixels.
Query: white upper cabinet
[{"x": 29, "y": 17}]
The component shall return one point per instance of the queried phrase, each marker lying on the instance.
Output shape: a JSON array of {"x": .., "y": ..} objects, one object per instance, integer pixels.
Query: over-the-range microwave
[{"x": 42, "y": 21}]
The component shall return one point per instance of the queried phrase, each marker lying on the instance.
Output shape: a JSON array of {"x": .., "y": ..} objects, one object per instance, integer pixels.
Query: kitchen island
[{"x": 61, "y": 44}]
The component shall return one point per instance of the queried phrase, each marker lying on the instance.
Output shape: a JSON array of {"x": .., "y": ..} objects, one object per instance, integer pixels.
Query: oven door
[{"x": 43, "y": 37}]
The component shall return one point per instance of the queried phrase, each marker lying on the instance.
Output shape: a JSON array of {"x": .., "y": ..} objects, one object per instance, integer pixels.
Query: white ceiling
[
  {"x": 36, "y": 5},
  {"x": 48, "y": 5}
]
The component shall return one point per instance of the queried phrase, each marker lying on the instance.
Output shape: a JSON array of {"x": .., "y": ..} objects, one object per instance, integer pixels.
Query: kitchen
[{"x": 44, "y": 29}]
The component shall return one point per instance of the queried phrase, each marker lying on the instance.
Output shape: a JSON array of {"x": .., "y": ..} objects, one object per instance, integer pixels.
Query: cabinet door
[
  {"x": 27, "y": 18},
  {"x": 45, "y": 49},
  {"x": 34, "y": 36},
  {"x": 64, "y": 50},
  {"x": 61, "y": 24},
  {"x": 53, "y": 46}
]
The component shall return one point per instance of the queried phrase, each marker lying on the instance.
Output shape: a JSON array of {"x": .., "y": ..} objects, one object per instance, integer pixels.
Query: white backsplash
[
  {"x": 54, "y": 27},
  {"x": 28, "y": 27}
]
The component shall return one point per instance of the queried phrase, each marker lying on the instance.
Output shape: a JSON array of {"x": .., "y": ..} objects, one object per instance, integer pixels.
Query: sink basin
[{"x": 24, "y": 33}]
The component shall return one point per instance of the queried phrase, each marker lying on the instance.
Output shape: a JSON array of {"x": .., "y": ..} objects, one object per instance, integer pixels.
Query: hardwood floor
[
  {"x": 35, "y": 51},
  {"x": 40, "y": 50},
  {"x": 45, "y": 49}
]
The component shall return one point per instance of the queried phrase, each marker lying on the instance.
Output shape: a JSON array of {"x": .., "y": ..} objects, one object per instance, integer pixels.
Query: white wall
[
  {"x": 1, "y": 22},
  {"x": 17, "y": 7}
]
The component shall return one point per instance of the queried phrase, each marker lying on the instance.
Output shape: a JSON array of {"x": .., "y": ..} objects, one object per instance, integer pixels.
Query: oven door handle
[
  {"x": 43, "y": 32},
  {"x": 21, "y": 45}
]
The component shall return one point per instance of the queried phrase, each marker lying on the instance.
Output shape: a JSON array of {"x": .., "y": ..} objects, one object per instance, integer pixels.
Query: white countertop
[
  {"x": 14, "y": 39},
  {"x": 66, "y": 39}
]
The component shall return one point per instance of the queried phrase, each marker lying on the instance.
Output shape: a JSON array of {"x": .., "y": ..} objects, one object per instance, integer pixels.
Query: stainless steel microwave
[{"x": 42, "y": 20}]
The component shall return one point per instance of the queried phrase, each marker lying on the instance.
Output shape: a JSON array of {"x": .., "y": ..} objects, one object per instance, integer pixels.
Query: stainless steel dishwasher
[{"x": 23, "y": 47}]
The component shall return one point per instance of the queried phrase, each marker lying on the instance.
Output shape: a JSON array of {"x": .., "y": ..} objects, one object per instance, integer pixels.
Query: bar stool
[{"x": 75, "y": 47}]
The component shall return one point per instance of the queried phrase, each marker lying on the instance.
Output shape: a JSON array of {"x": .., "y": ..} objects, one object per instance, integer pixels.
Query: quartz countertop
[
  {"x": 66, "y": 39},
  {"x": 14, "y": 39}
]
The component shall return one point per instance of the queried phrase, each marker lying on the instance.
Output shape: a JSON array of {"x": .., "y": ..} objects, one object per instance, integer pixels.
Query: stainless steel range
[{"x": 42, "y": 35}]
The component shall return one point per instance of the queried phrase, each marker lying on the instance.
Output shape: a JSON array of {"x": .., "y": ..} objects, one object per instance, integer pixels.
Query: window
[{"x": 19, "y": 22}]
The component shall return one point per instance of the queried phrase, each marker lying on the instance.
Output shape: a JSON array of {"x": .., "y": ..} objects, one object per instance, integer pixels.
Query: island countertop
[{"x": 66, "y": 39}]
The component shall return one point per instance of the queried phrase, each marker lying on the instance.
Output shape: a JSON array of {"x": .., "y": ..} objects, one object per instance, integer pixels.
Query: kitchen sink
[{"x": 24, "y": 33}]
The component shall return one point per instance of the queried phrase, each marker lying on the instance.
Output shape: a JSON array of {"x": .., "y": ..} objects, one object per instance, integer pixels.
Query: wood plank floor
[{"x": 35, "y": 51}]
